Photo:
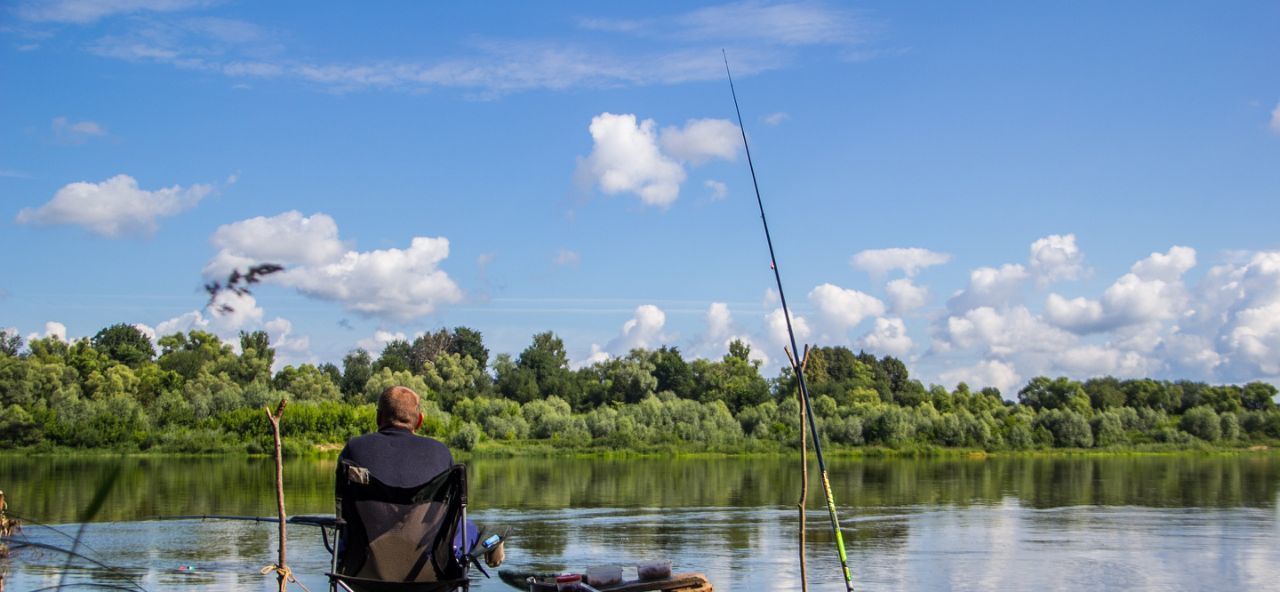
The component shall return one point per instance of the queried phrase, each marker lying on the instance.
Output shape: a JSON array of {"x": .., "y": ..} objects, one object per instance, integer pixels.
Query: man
[{"x": 399, "y": 458}]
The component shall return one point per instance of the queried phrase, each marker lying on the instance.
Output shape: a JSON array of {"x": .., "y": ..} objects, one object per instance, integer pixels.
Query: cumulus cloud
[
  {"x": 291, "y": 349},
  {"x": 1088, "y": 361},
  {"x": 399, "y": 284},
  {"x": 228, "y": 315},
  {"x": 905, "y": 295},
  {"x": 644, "y": 330},
  {"x": 52, "y": 329},
  {"x": 115, "y": 207},
  {"x": 994, "y": 373},
  {"x": 1002, "y": 332},
  {"x": 776, "y": 326},
  {"x": 991, "y": 287},
  {"x": 888, "y": 337},
  {"x": 1168, "y": 266},
  {"x": 75, "y": 132},
  {"x": 287, "y": 239},
  {"x": 1056, "y": 257},
  {"x": 844, "y": 308},
  {"x": 719, "y": 321},
  {"x": 1151, "y": 291},
  {"x": 878, "y": 262},
  {"x": 701, "y": 140},
  {"x": 1275, "y": 119},
  {"x": 374, "y": 344},
  {"x": 628, "y": 156}
]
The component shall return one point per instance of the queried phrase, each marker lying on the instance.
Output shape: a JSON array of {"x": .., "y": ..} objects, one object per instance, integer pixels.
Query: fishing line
[{"x": 786, "y": 313}]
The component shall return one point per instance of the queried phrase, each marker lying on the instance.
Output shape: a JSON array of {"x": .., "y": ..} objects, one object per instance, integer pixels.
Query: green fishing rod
[{"x": 786, "y": 314}]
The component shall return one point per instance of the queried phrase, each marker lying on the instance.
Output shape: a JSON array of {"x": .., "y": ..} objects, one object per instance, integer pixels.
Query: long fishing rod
[{"x": 786, "y": 313}]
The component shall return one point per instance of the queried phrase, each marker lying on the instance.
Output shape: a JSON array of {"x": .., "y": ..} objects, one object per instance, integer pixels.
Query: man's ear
[{"x": 419, "y": 424}]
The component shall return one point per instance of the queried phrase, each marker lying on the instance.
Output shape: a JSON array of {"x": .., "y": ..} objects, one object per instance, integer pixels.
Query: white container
[{"x": 604, "y": 575}]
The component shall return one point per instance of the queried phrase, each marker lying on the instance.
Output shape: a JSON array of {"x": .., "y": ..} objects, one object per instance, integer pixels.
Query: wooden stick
[
  {"x": 804, "y": 467},
  {"x": 282, "y": 572}
]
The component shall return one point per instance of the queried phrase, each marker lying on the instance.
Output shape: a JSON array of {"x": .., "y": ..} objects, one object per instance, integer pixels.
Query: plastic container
[
  {"x": 604, "y": 575},
  {"x": 568, "y": 582},
  {"x": 654, "y": 570}
]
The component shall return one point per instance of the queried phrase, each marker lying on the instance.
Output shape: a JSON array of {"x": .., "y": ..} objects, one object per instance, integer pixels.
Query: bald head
[{"x": 398, "y": 407}]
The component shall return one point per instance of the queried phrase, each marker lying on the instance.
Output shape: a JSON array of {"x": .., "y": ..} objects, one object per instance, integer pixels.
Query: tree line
[{"x": 200, "y": 394}]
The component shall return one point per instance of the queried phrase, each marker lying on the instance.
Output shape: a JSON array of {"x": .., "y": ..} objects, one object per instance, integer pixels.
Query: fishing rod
[{"x": 786, "y": 314}]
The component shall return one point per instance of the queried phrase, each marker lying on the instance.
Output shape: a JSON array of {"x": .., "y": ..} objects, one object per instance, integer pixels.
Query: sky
[{"x": 989, "y": 191}]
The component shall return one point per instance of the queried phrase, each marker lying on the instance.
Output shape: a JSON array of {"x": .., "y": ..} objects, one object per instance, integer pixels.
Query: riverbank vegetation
[{"x": 197, "y": 394}]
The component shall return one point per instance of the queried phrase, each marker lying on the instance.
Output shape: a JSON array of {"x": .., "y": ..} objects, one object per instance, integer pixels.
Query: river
[{"x": 1180, "y": 522}]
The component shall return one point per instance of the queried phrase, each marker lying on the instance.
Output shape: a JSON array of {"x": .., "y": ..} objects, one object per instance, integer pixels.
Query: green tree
[
  {"x": 672, "y": 372},
  {"x": 10, "y": 343},
  {"x": 357, "y": 367},
  {"x": 397, "y": 356},
  {"x": 469, "y": 343},
  {"x": 306, "y": 383},
  {"x": 1060, "y": 393},
  {"x": 1259, "y": 396},
  {"x": 125, "y": 344}
]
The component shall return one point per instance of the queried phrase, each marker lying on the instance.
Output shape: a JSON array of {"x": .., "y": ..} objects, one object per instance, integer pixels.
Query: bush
[
  {"x": 1230, "y": 426},
  {"x": 1108, "y": 429},
  {"x": 1069, "y": 429},
  {"x": 466, "y": 437},
  {"x": 1202, "y": 423}
]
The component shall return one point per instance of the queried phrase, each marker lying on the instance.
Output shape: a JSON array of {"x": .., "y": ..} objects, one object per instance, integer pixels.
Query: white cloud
[
  {"x": 878, "y": 262},
  {"x": 77, "y": 132},
  {"x": 625, "y": 158},
  {"x": 1275, "y": 119},
  {"x": 888, "y": 337},
  {"x": 1167, "y": 267},
  {"x": 82, "y": 12},
  {"x": 596, "y": 356},
  {"x": 241, "y": 313},
  {"x": 52, "y": 329},
  {"x": 1056, "y": 257},
  {"x": 989, "y": 286},
  {"x": 644, "y": 330},
  {"x": 844, "y": 308},
  {"x": 1088, "y": 361},
  {"x": 566, "y": 257},
  {"x": 628, "y": 156},
  {"x": 776, "y": 118},
  {"x": 776, "y": 326},
  {"x": 1080, "y": 315},
  {"x": 286, "y": 239},
  {"x": 399, "y": 284},
  {"x": 1002, "y": 333},
  {"x": 905, "y": 295},
  {"x": 291, "y": 349},
  {"x": 718, "y": 189},
  {"x": 719, "y": 321},
  {"x": 1152, "y": 291},
  {"x": 701, "y": 140},
  {"x": 114, "y": 208},
  {"x": 375, "y": 343},
  {"x": 1001, "y": 375}
]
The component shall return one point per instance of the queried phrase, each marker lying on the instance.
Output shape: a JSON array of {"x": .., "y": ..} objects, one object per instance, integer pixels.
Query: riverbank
[{"x": 543, "y": 449}]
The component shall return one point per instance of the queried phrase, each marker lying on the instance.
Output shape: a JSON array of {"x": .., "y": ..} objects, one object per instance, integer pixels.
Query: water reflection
[{"x": 1192, "y": 522}]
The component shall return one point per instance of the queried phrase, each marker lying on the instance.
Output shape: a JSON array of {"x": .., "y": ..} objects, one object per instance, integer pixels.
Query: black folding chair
[{"x": 399, "y": 538}]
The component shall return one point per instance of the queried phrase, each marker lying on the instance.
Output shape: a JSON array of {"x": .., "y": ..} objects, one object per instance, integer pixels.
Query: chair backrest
[{"x": 400, "y": 534}]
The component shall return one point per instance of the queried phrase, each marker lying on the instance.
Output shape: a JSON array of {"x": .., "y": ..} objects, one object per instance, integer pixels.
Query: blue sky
[{"x": 990, "y": 192}]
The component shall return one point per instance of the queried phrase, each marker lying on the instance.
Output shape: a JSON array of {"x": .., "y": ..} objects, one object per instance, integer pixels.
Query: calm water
[{"x": 1168, "y": 523}]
